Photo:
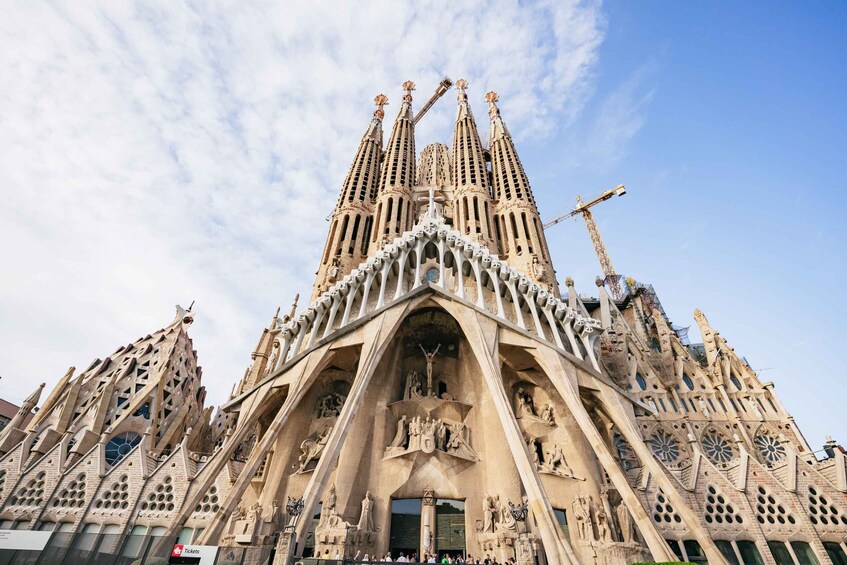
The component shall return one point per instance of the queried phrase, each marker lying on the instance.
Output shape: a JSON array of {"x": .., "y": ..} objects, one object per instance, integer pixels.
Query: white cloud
[
  {"x": 161, "y": 153},
  {"x": 619, "y": 116}
]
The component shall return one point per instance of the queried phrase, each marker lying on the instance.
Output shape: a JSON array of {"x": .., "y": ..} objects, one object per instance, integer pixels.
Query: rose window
[
  {"x": 770, "y": 448},
  {"x": 120, "y": 445},
  {"x": 664, "y": 447},
  {"x": 717, "y": 449}
]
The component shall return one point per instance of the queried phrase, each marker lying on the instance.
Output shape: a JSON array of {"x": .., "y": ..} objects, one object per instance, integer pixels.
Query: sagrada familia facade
[{"x": 441, "y": 393}]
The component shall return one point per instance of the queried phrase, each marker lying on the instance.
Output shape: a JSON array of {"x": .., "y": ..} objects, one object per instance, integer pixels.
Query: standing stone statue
[
  {"x": 366, "y": 519},
  {"x": 624, "y": 522},
  {"x": 401, "y": 434},
  {"x": 587, "y": 502},
  {"x": 329, "y": 503},
  {"x": 581, "y": 519},
  {"x": 603, "y": 533},
  {"x": 488, "y": 510}
]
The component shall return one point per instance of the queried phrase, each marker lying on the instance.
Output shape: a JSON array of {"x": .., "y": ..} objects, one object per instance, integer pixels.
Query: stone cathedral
[{"x": 443, "y": 392}]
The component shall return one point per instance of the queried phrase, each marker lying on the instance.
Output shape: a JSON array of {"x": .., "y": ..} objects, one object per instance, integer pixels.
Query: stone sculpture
[
  {"x": 507, "y": 522},
  {"x": 430, "y": 359},
  {"x": 489, "y": 513},
  {"x": 556, "y": 463},
  {"x": 548, "y": 414},
  {"x": 312, "y": 448},
  {"x": 401, "y": 435},
  {"x": 624, "y": 522},
  {"x": 366, "y": 519}
]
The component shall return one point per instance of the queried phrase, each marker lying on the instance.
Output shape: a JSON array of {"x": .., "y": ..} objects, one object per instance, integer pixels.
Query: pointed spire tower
[
  {"x": 352, "y": 221},
  {"x": 521, "y": 233},
  {"x": 472, "y": 196},
  {"x": 394, "y": 202}
]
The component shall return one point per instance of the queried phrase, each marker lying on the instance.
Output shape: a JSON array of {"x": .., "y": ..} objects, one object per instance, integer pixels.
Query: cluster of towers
[{"x": 486, "y": 192}]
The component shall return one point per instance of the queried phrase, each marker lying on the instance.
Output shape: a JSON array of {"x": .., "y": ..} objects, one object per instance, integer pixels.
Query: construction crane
[
  {"x": 612, "y": 279},
  {"x": 443, "y": 87}
]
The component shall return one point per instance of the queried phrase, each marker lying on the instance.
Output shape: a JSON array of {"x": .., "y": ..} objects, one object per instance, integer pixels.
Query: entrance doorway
[
  {"x": 405, "y": 527},
  {"x": 450, "y": 527}
]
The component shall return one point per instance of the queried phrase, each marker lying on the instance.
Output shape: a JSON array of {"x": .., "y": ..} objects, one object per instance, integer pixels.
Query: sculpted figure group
[
  {"x": 429, "y": 434},
  {"x": 496, "y": 516},
  {"x": 525, "y": 406},
  {"x": 587, "y": 514},
  {"x": 312, "y": 448}
]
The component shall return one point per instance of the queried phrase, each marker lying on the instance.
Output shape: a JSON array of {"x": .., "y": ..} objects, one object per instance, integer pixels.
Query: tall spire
[
  {"x": 394, "y": 210},
  {"x": 472, "y": 196},
  {"x": 349, "y": 235},
  {"x": 516, "y": 216}
]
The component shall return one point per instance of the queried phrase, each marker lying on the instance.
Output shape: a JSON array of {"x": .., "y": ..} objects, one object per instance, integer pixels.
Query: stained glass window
[{"x": 120, "y": 445}]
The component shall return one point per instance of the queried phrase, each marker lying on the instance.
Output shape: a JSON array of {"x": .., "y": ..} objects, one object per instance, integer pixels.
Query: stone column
[
  {"x": 427, "y": 524},
  {"x": 481, "y": 334},
  {"x": 563, "y": 377},
  {"x": 312, "y": 365},
  {"x": 377, "y": 334},
  {"x": 612, "y": 404}
]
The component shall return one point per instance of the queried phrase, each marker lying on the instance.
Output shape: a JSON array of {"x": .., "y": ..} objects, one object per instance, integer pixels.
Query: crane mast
[
  {"x": 612, "y": 279},
  {"x": 442, "y": 88}
]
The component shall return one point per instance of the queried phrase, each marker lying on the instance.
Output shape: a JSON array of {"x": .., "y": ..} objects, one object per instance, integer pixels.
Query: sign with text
[
  {"x": 193, "y": 554},
  {"x": 24, "y": 540}
]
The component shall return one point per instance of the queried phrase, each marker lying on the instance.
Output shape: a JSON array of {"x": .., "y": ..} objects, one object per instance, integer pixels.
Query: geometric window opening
[
  {"x": 735, "y": 382},
  {"x": 717, "y": 449},
  {"x": 642, "y": 384},
  {"x": 664, "y": 447},
  {"x": 162, "y": 498},
  {"x": 770, "y": 448},
  {"x": 663, "y": 511},
  {"x": 688, "y": 382},
  {"x": 718, "y": 510},
  {"x": 210, "y": 503},
  {"x": 823, "y": 511},
  {"x": 623, "y": 451},
  {"x": 143, "y": 411},
  {"x": 770, "y": 510},
  {"x": 120, "y": 445},
  {"x": 31, "y": 494},
  {"x": 115, "y": 497},
  {"x": 72, "y": 495}
]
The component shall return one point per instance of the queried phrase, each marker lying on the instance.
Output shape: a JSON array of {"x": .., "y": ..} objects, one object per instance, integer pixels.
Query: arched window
[
  {"x": 688, "y": 382},
  {"x": 120, "y": 445},
  {"x": 641, "y": 382}
]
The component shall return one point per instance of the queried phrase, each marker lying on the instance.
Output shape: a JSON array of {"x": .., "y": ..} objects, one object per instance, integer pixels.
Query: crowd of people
[{"x": 445, "y": 559}]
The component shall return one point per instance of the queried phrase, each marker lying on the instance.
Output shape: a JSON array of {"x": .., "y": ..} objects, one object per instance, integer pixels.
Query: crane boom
[
  {"x": 443, "y": 87},
  {"x": 594, "y": 233}
]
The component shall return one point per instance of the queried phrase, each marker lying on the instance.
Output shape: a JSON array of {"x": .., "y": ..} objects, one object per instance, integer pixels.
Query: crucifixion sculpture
[{"x": 430, "y": 358}]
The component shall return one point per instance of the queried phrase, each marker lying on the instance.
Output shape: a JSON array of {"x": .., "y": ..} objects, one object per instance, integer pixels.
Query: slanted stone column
[
  {"x": 312, "y": 366},
  {"x": 564, "y": 378},
  {"x": 481, "y": 334},
  {"x": 376, "y": 337},
  {"x": 614, "y": 407}
]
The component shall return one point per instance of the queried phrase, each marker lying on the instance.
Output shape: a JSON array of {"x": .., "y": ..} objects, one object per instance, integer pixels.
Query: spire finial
[
  {"x": 461, "y": 86},
  {"x": 380, "y": 100},
  {"x": 293, "y": 307},
  {"x": 408, "y": 87},
  {"x": 492, "y": 97}
]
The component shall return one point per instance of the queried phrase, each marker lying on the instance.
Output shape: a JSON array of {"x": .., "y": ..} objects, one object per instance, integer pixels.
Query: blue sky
[
  {"x": 155, "y": 153},
  {"x": 734, "y": 203}
]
